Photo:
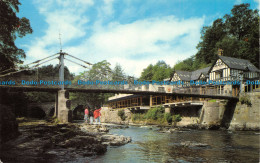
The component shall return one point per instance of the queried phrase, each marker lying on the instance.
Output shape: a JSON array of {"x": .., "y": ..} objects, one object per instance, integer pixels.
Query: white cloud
[
  {"x": 142, "y": 42},
  {"x": 107, "y": 9},
  {"x": 134, "y": 46},
  {"x": 62, "y": 16}
]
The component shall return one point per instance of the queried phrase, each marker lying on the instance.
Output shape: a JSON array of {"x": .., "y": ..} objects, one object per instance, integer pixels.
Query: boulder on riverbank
[
  {"x": 108, "y": 139},
  {"x": 50, "y": 142},
  {"x": 115, "y": 140},
  {"x": 193, "y": 144}
]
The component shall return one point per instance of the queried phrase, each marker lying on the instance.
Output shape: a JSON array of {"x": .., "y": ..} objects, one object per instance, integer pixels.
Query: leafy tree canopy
[
  {"x": 48, "y": 72},
  {"x": 118, "y": 73},
  {"x": 11, "y": 26},
  {"x": 99, "y": 71},
  {"x": 157, "y": 72},
  {"x": 236, "y": 33}
]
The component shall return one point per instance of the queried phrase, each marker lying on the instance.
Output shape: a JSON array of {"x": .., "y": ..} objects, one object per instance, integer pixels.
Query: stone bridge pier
[{"x": 62, "y": 108}]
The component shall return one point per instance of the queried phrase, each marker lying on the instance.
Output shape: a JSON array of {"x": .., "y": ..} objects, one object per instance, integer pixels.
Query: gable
[
  {"x": 219, "y": 64},
  {"x": 176, "y": 77}
]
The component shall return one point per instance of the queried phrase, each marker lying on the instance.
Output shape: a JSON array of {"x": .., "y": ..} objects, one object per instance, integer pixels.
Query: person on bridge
[
  {"x": 97, "y": 115},
  {"x": 86, "y": 114}
]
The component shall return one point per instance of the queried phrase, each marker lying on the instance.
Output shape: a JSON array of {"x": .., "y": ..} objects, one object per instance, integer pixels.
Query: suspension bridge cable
[
  {"x": 41, "y": 59},
  {"x": 76, "y": 63},
  {"x": 44, "y": 62},
  {"x": 78, "y": 59},
  {"x": 11, "y": 73},
  {"x": 31, "y": 62}
]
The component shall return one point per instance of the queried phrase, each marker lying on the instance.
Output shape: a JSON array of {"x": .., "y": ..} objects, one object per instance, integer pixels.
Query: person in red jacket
[
  {"x": 97, "y": 115},
  {"x": 86, "y": 114}
]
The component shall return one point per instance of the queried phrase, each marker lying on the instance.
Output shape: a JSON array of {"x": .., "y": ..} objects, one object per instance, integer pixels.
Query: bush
[
  {"x": 168, "y": 117},
  {"x": 245, "y": 100},
  {"x": 121, "y": 114},
  {"x": 155, "y": 113},
  {"x": 176, "y": 118},
  {"x": 138, "y": 117}
]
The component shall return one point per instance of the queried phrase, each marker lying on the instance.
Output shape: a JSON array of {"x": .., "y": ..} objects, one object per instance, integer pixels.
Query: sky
[{"x": 132, "y": 33}]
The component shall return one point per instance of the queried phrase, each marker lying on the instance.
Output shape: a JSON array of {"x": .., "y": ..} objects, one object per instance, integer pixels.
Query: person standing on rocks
[
  {"x": 97, "y": 115},
  {"x": 86, "y": 114},
  {"x": 91, "y": 116}
]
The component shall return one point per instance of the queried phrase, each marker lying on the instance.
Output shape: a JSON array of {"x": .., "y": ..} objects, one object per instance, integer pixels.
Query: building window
[
  {"x": 161, "y": 89},
  {"x": 219, "y": 74}
]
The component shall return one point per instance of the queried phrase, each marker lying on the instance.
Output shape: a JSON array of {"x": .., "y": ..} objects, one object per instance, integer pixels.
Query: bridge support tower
[{"x": 63, "y": 107}]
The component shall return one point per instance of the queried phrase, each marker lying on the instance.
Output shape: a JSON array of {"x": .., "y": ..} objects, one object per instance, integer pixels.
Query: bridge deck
[{"x": 46, "y": 89}]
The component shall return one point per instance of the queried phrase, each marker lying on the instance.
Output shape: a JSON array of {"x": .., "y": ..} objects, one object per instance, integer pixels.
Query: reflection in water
[{"x": 151, "y": 146}]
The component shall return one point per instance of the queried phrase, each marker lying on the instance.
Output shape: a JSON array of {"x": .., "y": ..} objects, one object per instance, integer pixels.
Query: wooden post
[{"x": 151, "y": 100}]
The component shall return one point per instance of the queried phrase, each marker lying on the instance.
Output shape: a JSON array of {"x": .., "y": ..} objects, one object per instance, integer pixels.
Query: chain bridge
[{"x": 28, "y": 79}]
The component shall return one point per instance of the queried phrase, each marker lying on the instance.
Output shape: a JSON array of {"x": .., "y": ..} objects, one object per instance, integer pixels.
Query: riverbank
[
  {"x": 41, "y": 141},
  {"x": 242, "y": 115}
]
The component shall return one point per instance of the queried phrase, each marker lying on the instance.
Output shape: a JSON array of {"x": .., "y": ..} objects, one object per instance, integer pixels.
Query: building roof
[
  {"x": 184, "y": 75},
  {"x": 194, "y": 75},
  {"x": 240, "y": 64},
  {"x": 123, "y": 98}
]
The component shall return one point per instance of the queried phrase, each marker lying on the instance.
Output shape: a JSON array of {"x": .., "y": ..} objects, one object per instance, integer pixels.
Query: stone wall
[
  {"x": 247, "y": 117},
  {"x": 190, "y": 115},
  {"x": 111, "y": 116}
]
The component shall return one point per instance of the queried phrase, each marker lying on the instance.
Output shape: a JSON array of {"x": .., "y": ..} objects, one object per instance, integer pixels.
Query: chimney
[{"x": 220, "y": 52}]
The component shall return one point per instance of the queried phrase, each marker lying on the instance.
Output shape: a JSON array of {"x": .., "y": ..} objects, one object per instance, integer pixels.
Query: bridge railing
[{"x": 49, "y": 82}]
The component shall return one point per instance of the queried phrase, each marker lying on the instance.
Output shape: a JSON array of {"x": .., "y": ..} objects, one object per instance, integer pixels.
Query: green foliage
[
  {"x": 121, "y": 114},
  {"x": 138, "y": 117},
  {"x": 236, "y": 33},
  {"x": 52, "y": 73},
  {"x": 155, "y": 113},
  {"x": 11, "y": 26},
  {"x": 157, "y": 72},
  {"x": 48, "y": 72},
  {"x": 176, "y": 118},
  {"x": 99, "y": 71},
  {"x": 212, "y": 100},
  {"x": 118, "y": 73},
  {"x": 185, "y": 65},
  {"x": 245, "y": 100},
  {"x": 168, "y": 117}
]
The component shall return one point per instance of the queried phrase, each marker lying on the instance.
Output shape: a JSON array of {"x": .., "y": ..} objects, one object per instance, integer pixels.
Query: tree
[
  {"x": 185, "y": 65},
  {"x": 236, "y": 33},
  {"x": 46, "y": 73},
  {"x": 11, "y": 26},
  {"x": 161, "y": 71},
  {"x": 157, "y": 72},
  {"x": 118, "y": 73},
  {"x": 210, "y": 36},
  {"x": 100, "y": 71},
  {"x": 147, "y": 73}
]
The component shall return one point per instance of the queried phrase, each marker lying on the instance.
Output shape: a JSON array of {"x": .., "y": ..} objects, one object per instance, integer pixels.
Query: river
[{"x": 149, "y": 145}]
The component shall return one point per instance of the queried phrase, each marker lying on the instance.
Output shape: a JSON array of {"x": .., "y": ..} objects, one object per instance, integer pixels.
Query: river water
[{"x": 149, "y": 145}]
